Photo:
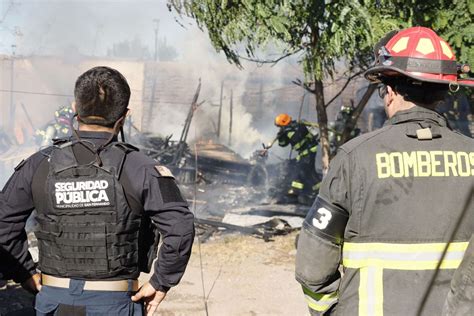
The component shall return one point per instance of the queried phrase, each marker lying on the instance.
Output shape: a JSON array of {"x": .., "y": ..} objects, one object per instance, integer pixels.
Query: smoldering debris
[
  {"x": 261, "y": 221},
  {"x": 228, "y": 193},
  {"x": 242, "y": 208}
]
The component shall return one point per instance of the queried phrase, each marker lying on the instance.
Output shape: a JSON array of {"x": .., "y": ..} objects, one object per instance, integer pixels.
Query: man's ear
[
  {"x": 73, "y": 106},
  {"x": 390, "y": 90},
  {"x": 390, "y": 94}
]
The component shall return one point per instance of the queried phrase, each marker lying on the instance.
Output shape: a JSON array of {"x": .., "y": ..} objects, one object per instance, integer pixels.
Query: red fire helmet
[{"x": 418, "y": 53}]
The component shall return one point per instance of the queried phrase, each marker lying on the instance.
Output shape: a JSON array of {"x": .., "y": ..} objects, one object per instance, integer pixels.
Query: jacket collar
[
  {"x": 95, "y": 135},
  {"x": 417, "y": 114}
]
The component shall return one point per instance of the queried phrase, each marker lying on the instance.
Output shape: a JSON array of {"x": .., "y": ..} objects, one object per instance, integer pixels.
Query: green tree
[
  {"x": 453, "y": 20},
  {"x": 319, "y": 32}
]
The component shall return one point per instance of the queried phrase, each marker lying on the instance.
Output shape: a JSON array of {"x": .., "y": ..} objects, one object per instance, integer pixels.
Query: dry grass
[{"x": 238, "y": 248}]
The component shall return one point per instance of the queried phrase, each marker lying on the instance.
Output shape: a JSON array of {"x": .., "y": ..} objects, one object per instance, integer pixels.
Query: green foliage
[
  {"x": 323, "y": 31},
  {"x": 453, "y": 20}
]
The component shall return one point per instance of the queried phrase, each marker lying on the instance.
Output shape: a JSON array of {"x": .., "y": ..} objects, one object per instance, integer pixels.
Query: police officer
[
  {"x": 305, "y": 180},
  {"x": 99, "y": 202},
  {"x": 391, "y": 196}
]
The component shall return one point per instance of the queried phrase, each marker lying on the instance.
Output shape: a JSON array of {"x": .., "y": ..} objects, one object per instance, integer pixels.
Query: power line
[
  {"x": 36, "y": 93},
  {"x": 72, "y": 96},
  {"x": 148, "y": 100}
]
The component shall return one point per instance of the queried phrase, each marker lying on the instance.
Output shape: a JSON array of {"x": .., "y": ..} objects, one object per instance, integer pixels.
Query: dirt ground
[{"x": 242, "y": 276}]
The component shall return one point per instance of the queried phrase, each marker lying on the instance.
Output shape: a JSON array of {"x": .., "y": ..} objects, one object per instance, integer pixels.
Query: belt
[{"x": 114, "y": 286}]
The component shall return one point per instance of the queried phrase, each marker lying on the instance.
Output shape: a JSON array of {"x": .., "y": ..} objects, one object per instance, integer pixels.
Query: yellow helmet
[{"x": 282, "y": 119}]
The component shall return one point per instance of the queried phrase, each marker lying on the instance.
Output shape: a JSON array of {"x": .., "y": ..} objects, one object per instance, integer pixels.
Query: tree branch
[
  {"x": 303, "y": 85},
  {"x": 266, "y": 61},
  {"x": 343, "y": 87}
]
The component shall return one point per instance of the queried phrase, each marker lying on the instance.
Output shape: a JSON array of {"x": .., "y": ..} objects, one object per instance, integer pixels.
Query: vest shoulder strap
[{"x": 114, "y": 155}]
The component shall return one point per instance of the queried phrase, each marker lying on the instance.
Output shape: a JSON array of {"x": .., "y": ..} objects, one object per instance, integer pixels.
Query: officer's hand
[
  {"x": 150, "y": 296},
  {"x": 33, "y": 284}
]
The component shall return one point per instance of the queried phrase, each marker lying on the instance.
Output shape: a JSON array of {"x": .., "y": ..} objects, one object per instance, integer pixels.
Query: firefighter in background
[
  {"x": 391, "y": 197},
  {"x": 59, "y": 128},
  {"x": 336, "y": 128},
  {"x": 305, "y": 181}
]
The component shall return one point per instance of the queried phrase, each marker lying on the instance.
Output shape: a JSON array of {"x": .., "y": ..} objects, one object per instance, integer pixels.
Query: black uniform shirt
[{"x": 157, "y": 193}]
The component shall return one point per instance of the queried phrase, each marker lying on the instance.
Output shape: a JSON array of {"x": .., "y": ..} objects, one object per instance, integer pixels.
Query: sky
[{"x": 49, "y": 27}]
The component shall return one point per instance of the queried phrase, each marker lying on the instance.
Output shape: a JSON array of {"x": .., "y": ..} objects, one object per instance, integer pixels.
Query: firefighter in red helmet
[{"x": 390, "y": 196}]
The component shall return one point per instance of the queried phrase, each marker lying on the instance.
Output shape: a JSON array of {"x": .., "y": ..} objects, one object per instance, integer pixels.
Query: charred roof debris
[{"x": 230, "y": 193}]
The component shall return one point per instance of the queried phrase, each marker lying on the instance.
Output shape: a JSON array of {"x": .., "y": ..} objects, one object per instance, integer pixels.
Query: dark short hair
[
  {"x": 426, "y": 94},
  {"x": 102, "y": 95}
]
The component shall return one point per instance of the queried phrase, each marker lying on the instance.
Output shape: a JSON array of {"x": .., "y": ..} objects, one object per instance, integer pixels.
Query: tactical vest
[{"x": 87, "y": 228}]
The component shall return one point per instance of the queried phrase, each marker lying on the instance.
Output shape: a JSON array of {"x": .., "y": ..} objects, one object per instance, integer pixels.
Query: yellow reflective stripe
[
  {"x": 371, "y": 291},
  {"x": 314, "y": 149},
  {"x": 389, "y": 247},
  {"x": 363, "y": 295},
  {"x": 320, "y": 307},
  {"x": 316, "y": 186},
  {"x": 319, "y": 302},
  {"x": 298, "y": 145},
  {"x": 372, "y": 258},
  {"x": 297, "y": 185},
  {"x": 290, "y": 134},
  {"x": 402, "y": 256},
  {"x": 320, "y": 297},
  {"x": 303, "y": 153},
  {"x": 378, "y": 291},
  {"x": 401, "y": 265}
]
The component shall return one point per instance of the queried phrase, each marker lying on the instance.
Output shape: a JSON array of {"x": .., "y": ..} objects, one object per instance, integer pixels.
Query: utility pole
[
  {"x": 149, "y": 118},
  {"x": 220, "y": 112},
  {"x": 12, "y": 102},
  {"x": 231, "y": 114},
  {"x": 97, "y": 32},
  {"x": 157, "y": 23}
]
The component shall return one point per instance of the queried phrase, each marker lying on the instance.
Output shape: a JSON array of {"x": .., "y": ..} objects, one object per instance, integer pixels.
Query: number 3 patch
[
  {"x": 327, "y": 221},
  {"x": 323, "y": 221}
]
